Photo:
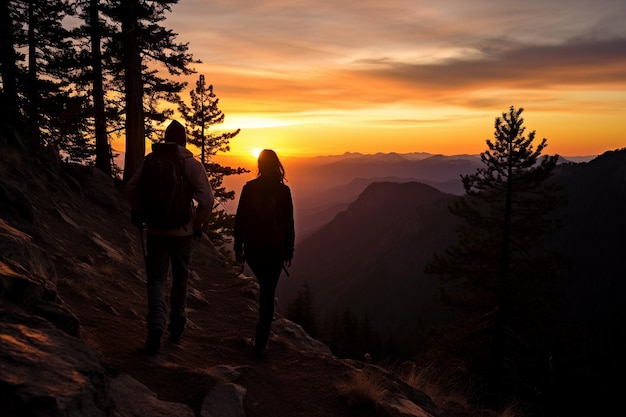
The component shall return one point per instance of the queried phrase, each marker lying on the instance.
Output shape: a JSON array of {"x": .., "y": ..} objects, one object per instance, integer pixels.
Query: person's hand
[
  {"x": 197, "y": 233},
  {"x": 136, "y": 219}
]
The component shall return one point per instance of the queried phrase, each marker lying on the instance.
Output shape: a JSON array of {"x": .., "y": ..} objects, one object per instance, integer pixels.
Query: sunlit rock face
[
  {"x": 45, "y": 368},
  {"x": 45, "y": 371}
]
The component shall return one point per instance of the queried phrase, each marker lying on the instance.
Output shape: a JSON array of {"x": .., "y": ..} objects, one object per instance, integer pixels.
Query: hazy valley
[
  {"x": 364, "y": 240},
  {"x": 364, "y": 246}
]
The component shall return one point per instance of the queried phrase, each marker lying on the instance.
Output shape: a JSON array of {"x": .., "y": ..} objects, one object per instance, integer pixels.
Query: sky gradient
[{"x": 324, "y": 77}]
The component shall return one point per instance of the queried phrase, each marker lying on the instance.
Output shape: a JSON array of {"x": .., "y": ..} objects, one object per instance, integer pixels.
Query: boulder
[
  {"x": 46, "y": 372},
  {"x": 133, "y": 399}
]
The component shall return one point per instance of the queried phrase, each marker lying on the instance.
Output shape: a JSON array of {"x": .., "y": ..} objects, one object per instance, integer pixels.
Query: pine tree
[
  {"x": 46, "y": 36},
  {"x": 10, "y": 106},
  {"x": 103, "y": 150},
  {"x": 31, "y": 82},
  {"x": 42, "y": 88},
  {"x": 148, "y": 50},
  {"x": 122, "y": 49},
  {"x": 200, "y": 116},
  {"x": 133, "y": 86},
  {"x": 300, "y": 310},
  {"x": 499, "y": 277}
]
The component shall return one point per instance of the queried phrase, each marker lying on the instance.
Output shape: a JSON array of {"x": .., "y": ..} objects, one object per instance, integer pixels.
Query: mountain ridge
[
  {"x": 573, "y": 176},
  {"x": 361, "y": 242},
  {"x": 591, "y": 242}
]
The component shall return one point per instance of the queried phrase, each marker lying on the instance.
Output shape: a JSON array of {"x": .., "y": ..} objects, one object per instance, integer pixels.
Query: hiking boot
[
  {"x": 175, "y": 336},
  {"x": 153, "y": 342},
  {"x": 260, "y": 341},
  {"x": 260, "y": 352}
]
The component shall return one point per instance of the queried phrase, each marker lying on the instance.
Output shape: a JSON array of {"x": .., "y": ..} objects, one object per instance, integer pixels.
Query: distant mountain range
[
  {"x": 383, "y": 229},
  {"x": 323, "y": 186}
]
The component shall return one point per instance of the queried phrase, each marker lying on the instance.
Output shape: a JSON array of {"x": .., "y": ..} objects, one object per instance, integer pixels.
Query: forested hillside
[
  {"x": 369, "y": 259},
  {"x": 366, "y": 266}
]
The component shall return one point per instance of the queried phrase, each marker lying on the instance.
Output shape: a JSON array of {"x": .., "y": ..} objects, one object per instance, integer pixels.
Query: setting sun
[{"x": 255, "y": 152}]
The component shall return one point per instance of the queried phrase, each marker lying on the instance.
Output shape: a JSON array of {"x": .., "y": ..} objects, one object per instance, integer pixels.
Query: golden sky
[{"x": 325, "y": 77}]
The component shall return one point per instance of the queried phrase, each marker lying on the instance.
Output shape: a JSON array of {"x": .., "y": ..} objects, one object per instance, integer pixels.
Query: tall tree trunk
[
  {"x": 32, "y": 92},
  {"x": 103, "y": 153},
  {"x": 500, "y": 321},
  {"x": 9, "y": 104},
  {"x": 135, "y": 129},
  {"x": 202, "y": 115}
]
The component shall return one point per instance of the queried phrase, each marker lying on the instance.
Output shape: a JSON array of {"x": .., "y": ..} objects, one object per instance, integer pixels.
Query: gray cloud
[
  {"x": 305, "y": 58},
  {"x": 586, "y": 62}
]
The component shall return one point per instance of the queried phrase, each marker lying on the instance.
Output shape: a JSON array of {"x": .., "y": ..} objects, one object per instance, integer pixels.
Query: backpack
[{"x": 164, "y": 192}]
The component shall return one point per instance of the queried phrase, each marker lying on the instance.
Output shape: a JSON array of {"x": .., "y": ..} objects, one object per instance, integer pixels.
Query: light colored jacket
[{"x": 201, "y": 190}]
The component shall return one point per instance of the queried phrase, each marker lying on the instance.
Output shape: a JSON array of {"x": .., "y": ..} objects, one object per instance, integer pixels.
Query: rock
[
  {"x": 225, "y": 399},
  {"x": 293, "y": 333},
  {"x": 111, "y": 252},
  {"x": 96, "y": 186},
  {"x": 36, "y": 296},
  {"x": 133, "y": 399},
  {"x": 14, "y": 204},
  {"x": 46, "y": 372},
  {"x": 26, "y": 274},
  {"x": 400, "y": 398},
  {"x": 226, "y": 372},
  {"x": 18, "y": 249}
]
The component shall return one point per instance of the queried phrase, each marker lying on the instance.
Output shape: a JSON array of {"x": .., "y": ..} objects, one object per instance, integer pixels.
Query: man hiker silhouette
[
  {"x": 168, "y": 238},
  {"x": 264, "y": 236}
]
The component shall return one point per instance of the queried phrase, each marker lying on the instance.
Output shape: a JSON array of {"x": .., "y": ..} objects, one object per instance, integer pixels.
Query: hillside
[
  {"x": 320, "y": 208},
  {"x": 381, "y": 237},
  {"x": 324, "y": 186},
  {"x": 369, "y": 259},
  {"x": 72, "y": 328}
]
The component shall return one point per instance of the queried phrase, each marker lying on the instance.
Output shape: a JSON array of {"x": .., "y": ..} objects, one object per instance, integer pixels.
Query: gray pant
[{"x": 162, "y": 250}]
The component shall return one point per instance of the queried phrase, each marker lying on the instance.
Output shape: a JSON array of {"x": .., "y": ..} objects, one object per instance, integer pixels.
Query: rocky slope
[{"x": 71, "y": 324}]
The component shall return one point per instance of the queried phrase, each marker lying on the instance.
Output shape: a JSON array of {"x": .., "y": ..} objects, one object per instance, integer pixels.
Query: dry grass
[
  {"x": 364, "y": 389},
  {"x": 437, "y": 385},
  {"x": 513, "y": 410},
  {"x": 447, "y": 393}
]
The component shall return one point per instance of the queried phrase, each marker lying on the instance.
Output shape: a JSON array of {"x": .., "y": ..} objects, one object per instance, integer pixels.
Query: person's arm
[
  {"x": 239, "y": 224},
  {"x": 201, "y": 192},
  {"x": 132, "y": 190},
  {"x": 289, "y": 227},
  {"x": 132, "y": 195}
]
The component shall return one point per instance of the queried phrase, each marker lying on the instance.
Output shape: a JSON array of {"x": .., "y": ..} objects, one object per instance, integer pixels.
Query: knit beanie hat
[{"x": 175, "y": 132}]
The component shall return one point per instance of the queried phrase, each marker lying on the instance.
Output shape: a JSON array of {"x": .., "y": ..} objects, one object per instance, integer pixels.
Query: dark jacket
[{"x": 254, "y": 193}]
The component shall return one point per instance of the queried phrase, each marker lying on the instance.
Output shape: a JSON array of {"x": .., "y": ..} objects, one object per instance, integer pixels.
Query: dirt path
[{"x": 222, "y": 314}]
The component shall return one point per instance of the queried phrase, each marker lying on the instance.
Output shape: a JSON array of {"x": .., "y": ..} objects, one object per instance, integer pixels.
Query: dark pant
[
  {"x": 162, "y": 250},
  {"x": 267, "y": 271}
]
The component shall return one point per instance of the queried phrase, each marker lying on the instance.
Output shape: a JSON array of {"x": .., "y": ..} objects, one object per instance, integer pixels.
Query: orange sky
[{"x": 319, "y": 78}]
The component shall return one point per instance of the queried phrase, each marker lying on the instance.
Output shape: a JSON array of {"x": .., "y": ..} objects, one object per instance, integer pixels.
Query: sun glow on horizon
[{"x": 255, "y": 152}]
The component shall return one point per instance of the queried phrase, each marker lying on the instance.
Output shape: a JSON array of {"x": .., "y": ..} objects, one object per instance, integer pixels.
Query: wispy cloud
[{"x": 310, "y": 57}]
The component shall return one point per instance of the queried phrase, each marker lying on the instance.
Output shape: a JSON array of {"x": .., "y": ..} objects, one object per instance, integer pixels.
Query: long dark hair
[{"x": 270, "y": 166}]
